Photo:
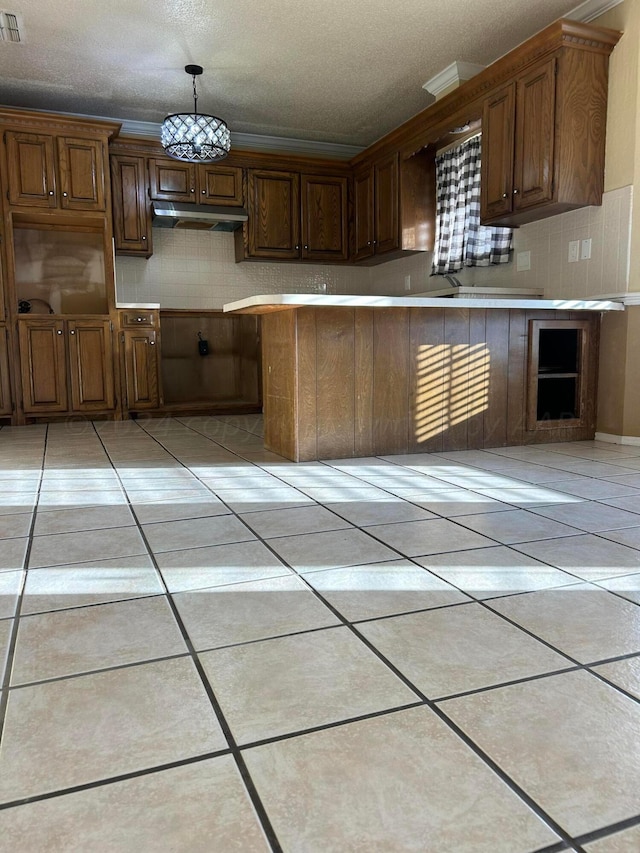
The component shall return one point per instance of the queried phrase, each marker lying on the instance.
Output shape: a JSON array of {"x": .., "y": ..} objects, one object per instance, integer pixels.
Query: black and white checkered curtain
[{"x": 460, "y": 239}]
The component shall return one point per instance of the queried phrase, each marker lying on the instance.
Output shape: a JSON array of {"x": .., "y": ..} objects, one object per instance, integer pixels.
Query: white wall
[
  {"x": 196, "y": 269},
  {"x": 605, "y": 274}
]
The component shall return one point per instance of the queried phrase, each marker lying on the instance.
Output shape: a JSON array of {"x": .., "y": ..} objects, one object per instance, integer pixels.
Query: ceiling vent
[{"x": 10, "y": 28}]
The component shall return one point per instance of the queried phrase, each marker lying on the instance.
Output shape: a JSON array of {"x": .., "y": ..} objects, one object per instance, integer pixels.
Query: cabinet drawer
[{"x": 138, "y": 318}]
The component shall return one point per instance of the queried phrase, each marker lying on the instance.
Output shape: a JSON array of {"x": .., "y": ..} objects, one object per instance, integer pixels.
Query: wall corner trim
[{"x": 591, "y": 9}]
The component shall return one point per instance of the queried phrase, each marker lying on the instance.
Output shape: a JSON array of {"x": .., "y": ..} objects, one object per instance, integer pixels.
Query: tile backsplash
[{"x": 197, "y": 270}]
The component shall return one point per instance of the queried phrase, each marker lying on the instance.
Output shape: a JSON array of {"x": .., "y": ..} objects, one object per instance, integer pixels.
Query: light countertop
[
  {"x": 287, "y": 301},
  {"x": 139, "y": 306}
]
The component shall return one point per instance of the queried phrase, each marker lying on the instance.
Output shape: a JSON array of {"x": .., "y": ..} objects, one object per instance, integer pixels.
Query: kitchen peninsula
[{"x": 369, "y": 375}]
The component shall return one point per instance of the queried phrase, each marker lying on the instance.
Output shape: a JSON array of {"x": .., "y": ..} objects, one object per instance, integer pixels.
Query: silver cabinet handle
[
  {"x": 306, "y": 247},
  {"x": 192, "y": 190},
  {"x": 204, "y": 192},
  {"x": 144, "y": 238},
  {"x": 504, "y": 195},
  {"x": 72, "y": 332},
  {"x": 65, "y": 194},
  {"x": 59, "y": 331},
  {"x": 152, "y": 343},
  {"x": 515, "y": 192},
  {"x": 51, "y": 192}
]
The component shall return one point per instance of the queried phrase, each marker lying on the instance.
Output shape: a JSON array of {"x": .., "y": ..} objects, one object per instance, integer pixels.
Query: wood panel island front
[{"x": 347, "y": 376}]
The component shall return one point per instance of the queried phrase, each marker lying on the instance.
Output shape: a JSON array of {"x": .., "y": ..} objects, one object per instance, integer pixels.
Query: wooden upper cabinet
[
  {"x": 31, "y": 169},
  {"x": 220, "y": 185},
  {"x": 171, "y": 180},
  {"x": 387, "y": 232},
  {"x": 543, "y": 139},
  {"x": 294, "y": 216},
  {"x": 498, "y": 146},
  {"x": 82, "y": 173},
  {"x": 324, "y": 218},
  {"x": 393, "y": 207},
  {"x": 273, "y": 229},
  {"x": 363, "y": 214},
  {"x": 90, "y": 365},
  {"x": 131, "y": 208},
  {"x": 49, "y": 171},
  {"x": 535, "y": 124}
]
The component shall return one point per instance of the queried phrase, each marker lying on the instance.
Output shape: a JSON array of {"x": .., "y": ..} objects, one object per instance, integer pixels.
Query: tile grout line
[
  {"x": 505, "y": 778},
  {"x": 169, "y": 595},
  {"x": 478, "y": 751},
  {"x": 252, "y": 792},
  {"x": 110, "y": 780},
  {"x": 6, "y": 681}
]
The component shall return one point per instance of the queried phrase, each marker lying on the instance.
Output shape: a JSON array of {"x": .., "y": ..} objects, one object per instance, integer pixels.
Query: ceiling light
[{"x": 195, "y": 137}]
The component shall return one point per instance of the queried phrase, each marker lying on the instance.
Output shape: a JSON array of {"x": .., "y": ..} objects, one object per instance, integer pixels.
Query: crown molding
[
  {"x": 591, "y": 9},
  {"x": 453, "y": 74},
  {"x": 255, "y": 142}
]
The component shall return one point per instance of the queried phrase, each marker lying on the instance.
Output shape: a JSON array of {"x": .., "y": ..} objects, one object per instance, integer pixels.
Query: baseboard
[{"x": 618, "y": 439}]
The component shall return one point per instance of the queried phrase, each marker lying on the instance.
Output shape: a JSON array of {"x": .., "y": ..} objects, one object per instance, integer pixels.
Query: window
[{"x": 460, "y": 240}]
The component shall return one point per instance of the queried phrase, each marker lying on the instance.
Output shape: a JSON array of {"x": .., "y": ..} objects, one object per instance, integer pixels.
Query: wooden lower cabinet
[
  {"x": 91, "y": 365},
  {"x": 6, "y": 406},
  {"x": 141, "y": 369},
  {"x": 66, "y": 365},
  {"x": 342, "y": 382}
]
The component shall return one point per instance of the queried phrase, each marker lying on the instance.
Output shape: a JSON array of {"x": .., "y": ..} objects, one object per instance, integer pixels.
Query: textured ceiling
[{"x": 343, "y": 71}]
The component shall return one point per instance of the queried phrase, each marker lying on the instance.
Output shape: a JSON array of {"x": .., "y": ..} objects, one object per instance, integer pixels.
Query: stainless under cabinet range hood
[{"x": 205, "y": 217}]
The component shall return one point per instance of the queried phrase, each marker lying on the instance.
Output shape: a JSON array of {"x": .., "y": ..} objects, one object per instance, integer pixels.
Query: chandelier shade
[{"x": 195, "y": 137}]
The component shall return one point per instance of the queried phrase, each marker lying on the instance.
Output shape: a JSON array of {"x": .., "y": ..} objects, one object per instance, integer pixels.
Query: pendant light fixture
[{"x": 195, "y": 137}]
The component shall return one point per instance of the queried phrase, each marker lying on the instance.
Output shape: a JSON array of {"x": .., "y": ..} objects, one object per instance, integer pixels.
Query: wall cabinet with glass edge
[{"x": 561, "y": 385}]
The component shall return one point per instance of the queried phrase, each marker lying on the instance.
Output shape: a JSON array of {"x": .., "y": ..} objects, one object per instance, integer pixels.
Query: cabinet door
[
  {"x": 535, "y": 136},
  {"x": 141, "y": 369},
  {"x": 363, "y": 215},
  {"x": 387, "y": 230},
  {"x": 82, "y": 173},
  {"x": 31, "y": 159},
  {"x": 131, "y": 213},
  {"x": 220, "y": 185},
  {"x": 91, "y": 365},
  {"x": 5, "y": 384},
  {"x": 324, "y": 218},
  {"x": 498, "y": 136},
  {"x": 274, "y": 214},
  {"x": 170, "y": 180},
  {"x": 43, "y": 366}
]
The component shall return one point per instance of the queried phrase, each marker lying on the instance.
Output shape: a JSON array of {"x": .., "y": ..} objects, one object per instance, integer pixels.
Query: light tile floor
[{"x": 205, "y": 647}]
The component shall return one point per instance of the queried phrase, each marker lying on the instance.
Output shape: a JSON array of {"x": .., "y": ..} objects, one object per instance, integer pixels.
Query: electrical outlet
[
  {"x": 585, "y": 249},
  {"x": 523, "y": 261},
  {"x": 574, "y": 251},
  {"x": 407, "y": 282}
]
